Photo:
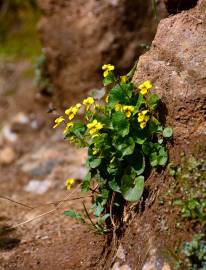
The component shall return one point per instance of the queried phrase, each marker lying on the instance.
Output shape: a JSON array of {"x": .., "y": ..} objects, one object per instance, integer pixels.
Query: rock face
[
  {"x": 79, "y": 36},
  {"x": 176, "y": 65}
]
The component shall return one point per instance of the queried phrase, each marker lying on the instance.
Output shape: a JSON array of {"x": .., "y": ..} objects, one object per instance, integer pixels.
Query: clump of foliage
[
  {"x": 124, "y": 138},
  {"x": 195, "y": 253},
  {"x": 42, "y": 76},
  {"x": 18, "y": 20},
  {"x": 189, "y": 196},
  {"x": 190, "y": 189}
]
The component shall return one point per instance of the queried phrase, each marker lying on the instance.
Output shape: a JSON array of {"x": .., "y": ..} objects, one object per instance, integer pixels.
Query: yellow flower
[
  {"x": 78, "y": 105},
  {"x": 143, "y": 118},
  {"x": 72, "y": 139},
  {"x": 128, "y": 110},
  {"x": 145, "y": 87},
  {"x": 143, "y": 125},
  {"x": 58, "y": 121},
  {"x": 68, "y": 126},
  {"x": 118, "y": 107},
  {"x": 123, "y": 79},
  {"x": 95, "y": 150},
  {"x": 72, "y": 111},
  {"x": 88, "y": 102},
  {"x": 107, "y": 69},
  {"x": 94, "y": 127},
  {"x": 107, "y": 99},
  {"x": 69, "y": 183}
]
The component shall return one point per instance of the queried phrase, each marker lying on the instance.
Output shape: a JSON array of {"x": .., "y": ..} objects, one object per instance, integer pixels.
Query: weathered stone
[
  {"x": 176, "y": 66},
  {"x": 79, "y": 36}
]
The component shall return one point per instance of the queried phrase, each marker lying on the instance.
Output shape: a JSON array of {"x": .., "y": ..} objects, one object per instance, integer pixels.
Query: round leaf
[
  {"x": 95, "y": 163},
  {"x": 167, "y": 132},
  {"x": 120, "y": 123},
  {"x": 137, "y": 163},
  {"x": 134, "y": 193}
]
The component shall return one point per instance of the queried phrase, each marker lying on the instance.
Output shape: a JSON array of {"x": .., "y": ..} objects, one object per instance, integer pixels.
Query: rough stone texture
[
  {"x": 79, "y": 36},
  {"x": 176, "y": 65}
]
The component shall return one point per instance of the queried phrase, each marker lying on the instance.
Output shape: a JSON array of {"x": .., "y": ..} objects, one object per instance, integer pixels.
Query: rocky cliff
[{"x": 79, "y": 36}]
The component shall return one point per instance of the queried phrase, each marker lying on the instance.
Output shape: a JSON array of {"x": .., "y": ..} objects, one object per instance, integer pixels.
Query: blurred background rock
[{"x": 77, "y": 37}]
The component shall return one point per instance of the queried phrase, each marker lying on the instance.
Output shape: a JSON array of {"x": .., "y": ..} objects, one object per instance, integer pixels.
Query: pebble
[
  {"x": 120, "y": 253},
  {"x": 9, "y": 135},
  {"x": 39, "y": 168},
  {"x": 117, "y": 266},
  {"x": 7, "y": 155},
  {"x": 37, "y": 186}
]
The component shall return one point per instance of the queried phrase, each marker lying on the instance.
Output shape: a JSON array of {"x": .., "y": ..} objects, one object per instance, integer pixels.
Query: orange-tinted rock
[{"x": 79, "y": 36}]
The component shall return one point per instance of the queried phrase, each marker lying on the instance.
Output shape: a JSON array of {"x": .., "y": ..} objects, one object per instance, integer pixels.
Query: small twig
[
  {"x": 93, "y": 190},
  {"x": 46, "y": 213},
  {"x": 65, "y": 200},
  {"x": 87, "y": 214},
  {"x": 110, "y": 211},
  {"x": 44, "y": 204},
  {"x": 22, "y": 204}
]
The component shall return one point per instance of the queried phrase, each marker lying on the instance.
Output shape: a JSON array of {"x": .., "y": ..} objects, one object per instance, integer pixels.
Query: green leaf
[
  {"x": 132, "y": 71},
  {"x": 75, "y": 215},
  {"x": 147, "y": 148},
  {"x": 127, "y": 89},
  {"x": 127, "y": 147},
  {"x": 141, "y": 135},
  {"x": 114, "y": 186},
  {"x": 85, "y": 186},
  {"x": 153, "y": 101},
  {"x": 167, "y": 132},
  {"x": 163, "y": 157},
  {"x": 153, "y": 159},
  {"x": 95, "y": 163},
  {"x": 112, "y": 169},
  {"x": 138, "y": 163},
  {"x": 133, "y": 193},
  {"x": 140, "y": 101},
  {"x": 102, "y": 141},
  {"x": 120, "y": 123},
  {"x": 158, "y": 155},
  {"x": 79, "y": 128},
  {"x": 98, "y": 210},
  {"x": 117, "y": 95},
  {"x": 104, "y": 119},
  {"x": 109, "y": 79}
]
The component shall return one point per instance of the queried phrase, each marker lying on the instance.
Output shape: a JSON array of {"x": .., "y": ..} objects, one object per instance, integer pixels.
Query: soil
[{"x": 53, "y": 241}]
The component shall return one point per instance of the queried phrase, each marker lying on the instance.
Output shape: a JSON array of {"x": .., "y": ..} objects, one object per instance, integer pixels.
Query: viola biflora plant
[{"x": 125, "y": 139}]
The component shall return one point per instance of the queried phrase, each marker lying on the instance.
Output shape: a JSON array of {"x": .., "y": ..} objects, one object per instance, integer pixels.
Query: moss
[
  {"x": 18, "y": 31},
  {"x": 188, "y": 197}
]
